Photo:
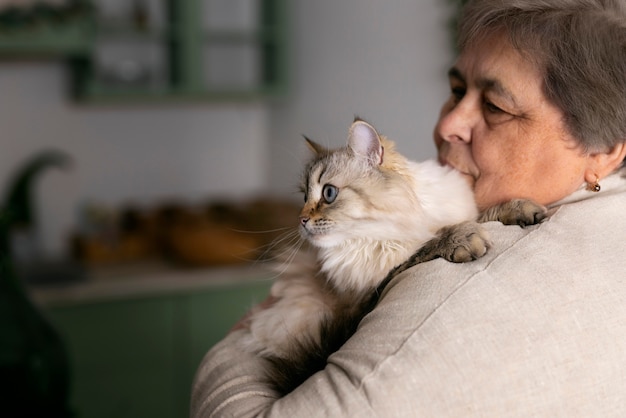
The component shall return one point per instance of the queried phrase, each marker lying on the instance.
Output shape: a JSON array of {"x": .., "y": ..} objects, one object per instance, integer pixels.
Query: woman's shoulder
[
  {"x": 581, "y": 240},
  {"x": 537, "y": 320}
]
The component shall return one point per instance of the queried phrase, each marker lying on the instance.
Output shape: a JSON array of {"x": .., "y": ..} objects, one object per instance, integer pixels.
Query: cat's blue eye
[{"x": 329, "y": 193}]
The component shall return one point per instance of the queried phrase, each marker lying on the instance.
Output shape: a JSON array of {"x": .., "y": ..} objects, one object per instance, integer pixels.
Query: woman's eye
[
  {"x": 329, "y": 193},
  {"x": 458, "y": 93},
  {"x": 495, "y": 115},
  {"x": 492, "y": 108}
]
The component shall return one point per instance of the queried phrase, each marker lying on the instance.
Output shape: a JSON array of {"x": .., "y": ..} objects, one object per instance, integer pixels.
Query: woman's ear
[{"x": 602, "y": 164}]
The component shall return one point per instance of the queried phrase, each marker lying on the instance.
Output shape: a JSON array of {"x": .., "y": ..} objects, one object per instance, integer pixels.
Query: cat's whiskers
[
  {"x": 288, "y": 255},
  {"x": 284, "y": 240},
  {"x": 281, "y": 251},
  {"x": 260, "y": 253},
  {"x": 265, "y": 231}
]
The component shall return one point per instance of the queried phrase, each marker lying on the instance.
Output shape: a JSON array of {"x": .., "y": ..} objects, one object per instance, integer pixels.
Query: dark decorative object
[
  {"x": 18, "y": 204},
  {"x": 34, "y": 366}
]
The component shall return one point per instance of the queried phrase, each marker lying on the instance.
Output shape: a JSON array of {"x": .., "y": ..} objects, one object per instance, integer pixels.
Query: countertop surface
[{"x": 146, "y": 280}]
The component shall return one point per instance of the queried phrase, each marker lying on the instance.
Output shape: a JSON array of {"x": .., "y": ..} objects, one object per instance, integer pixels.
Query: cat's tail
[{"x": 309, "y": 356}]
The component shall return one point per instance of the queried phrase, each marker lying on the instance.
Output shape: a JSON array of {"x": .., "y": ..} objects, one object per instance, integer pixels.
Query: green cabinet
[
  {"x": 186, "y": 49},
  {"x": 45, "y": 29},
  {"x": 136, "y": 357},
  {"x": 152, "y": 50},
  {"x": 72, "y": 39}
]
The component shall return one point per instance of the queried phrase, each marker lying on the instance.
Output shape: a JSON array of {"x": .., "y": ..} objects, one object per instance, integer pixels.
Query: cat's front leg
[
  {"x": 458, "y": 243},
  {"x": 468, "y": 241},
  {"x": 522, "y": 212}
]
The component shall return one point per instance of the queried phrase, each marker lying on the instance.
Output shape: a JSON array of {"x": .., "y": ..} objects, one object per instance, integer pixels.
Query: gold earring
[{"x": 594, "y": 187}]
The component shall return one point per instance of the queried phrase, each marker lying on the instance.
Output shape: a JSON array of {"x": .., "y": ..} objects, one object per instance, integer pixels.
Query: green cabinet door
[
  {"x": 137, "y": 357},
  {"x": 213, "y": 314},
  {"x": 123, "y": 357}
]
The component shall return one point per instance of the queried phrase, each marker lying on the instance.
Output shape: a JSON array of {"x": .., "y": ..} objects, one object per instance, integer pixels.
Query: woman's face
[{"x": 498, "y": 129}]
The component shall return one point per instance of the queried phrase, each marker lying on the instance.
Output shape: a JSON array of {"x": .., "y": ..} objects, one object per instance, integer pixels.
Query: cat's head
[{"x": 363, "y": 190}]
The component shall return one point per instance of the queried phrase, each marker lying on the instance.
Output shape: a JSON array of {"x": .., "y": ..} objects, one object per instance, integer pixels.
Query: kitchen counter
[
  {"x": 136, "y": 333},
  {"x": 146, "y": 280}
]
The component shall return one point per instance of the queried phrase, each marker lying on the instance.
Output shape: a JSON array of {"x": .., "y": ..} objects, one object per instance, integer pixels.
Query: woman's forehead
[{"x": 495, "y": 65}]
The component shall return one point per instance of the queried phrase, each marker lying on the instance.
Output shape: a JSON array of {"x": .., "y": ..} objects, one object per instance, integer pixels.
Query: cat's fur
[{"x": 369, "y": 213}]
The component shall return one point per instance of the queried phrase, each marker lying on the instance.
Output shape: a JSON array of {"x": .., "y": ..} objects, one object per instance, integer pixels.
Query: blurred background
[{"x": 174, "y": 125}]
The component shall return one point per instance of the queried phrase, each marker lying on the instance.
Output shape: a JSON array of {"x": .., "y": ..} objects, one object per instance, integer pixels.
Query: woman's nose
[{"x": 456, "y": 123}]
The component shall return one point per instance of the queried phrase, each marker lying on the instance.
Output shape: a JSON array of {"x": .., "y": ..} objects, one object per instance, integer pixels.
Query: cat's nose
[{"x": 304, "y": 220}]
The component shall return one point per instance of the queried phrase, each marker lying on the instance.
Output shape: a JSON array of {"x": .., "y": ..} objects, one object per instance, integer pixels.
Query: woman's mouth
[
  {"x": 445, "y": 163},
  {"x": 469, "y": 178}
]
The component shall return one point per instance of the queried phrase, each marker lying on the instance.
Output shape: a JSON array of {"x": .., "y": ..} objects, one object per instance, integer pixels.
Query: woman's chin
[{"x": 469, "y": 179}]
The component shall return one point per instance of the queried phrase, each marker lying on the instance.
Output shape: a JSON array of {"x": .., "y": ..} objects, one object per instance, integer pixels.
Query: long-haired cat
[{"x": 369, "y": 213}]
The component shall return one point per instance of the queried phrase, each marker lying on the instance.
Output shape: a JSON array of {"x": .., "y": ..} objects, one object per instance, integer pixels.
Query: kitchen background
[
  {"x": 384, "y": 61},
  {"x": 184, "y": 115}
]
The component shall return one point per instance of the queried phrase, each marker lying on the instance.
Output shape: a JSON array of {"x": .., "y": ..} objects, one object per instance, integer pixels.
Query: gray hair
[{"x": 580, "y": 48}]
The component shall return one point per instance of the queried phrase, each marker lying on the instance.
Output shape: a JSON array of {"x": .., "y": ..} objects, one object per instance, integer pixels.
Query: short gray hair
[{"x": 580, "y": 48}]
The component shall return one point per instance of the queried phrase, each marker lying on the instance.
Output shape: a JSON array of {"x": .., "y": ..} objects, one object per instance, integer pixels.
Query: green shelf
[
  {"x": 121, "y": 32},
  {"x": 192, "y": 62},
  {"x": 59, "y": 40},
  {"x": 109, "y": 95},
  {"x": 193, "y": 57}
]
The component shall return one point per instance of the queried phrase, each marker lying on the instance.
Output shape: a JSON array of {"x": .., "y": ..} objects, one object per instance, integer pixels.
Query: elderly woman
[{"x": 537, "y": 326}]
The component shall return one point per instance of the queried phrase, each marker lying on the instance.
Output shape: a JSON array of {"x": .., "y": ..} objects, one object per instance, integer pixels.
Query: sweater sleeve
[
  {"x": 230, "y": 382},
  {"x": 534, "y": 328}
]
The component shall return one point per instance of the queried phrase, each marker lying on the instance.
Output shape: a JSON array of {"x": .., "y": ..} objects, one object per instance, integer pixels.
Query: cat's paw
[
  {"x": 463, "y": 242},
  {"x": 522, "y": 212}
]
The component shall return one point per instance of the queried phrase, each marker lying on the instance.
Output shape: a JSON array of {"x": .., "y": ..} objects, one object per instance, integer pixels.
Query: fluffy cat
[{"x": 369, "y": 213}]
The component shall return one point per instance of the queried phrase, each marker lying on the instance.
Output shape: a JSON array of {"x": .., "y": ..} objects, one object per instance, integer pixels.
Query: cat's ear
[
  {"x": 315, "y": 147},
  {"x": 365, "y": 141}
]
